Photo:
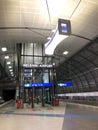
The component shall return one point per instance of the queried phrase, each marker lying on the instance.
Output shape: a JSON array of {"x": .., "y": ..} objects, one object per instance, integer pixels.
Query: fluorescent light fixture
[
  {"x": 8, "y": 63},
  {"x": 63, "y": 31},
  {"x": 48, "y": 38},
  {"x": 65, "y": 52},
  {"x": 53, "y": 30},
  {"x": 4, "y": 49},
  {"x": 54, "y": 41},
  {"x": 6, "y": 57}
]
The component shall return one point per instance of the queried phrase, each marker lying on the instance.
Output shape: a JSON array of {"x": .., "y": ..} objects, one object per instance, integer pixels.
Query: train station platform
[{"x": 66, "y": 116}]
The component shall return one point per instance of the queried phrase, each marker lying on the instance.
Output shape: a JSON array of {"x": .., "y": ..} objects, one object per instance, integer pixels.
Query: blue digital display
[
  {"x": 65, "y": 84},
  {"x": 27, "y": 74},
  {"x": 28, "y": 70},
  {"x": 38, "y": 85},
  {"x": 64, "y": 27}
]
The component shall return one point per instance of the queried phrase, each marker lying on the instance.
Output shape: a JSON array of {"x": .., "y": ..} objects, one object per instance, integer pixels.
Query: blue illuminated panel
[
  {"x": 28, "y": 70},
  {"x": 65, "y": 84},
  {"x": 64, "y": 28},
  {"x": 27, "y": 74},
  {"x": 28, "y": 85},
  {"x": 38, "y": 85}
]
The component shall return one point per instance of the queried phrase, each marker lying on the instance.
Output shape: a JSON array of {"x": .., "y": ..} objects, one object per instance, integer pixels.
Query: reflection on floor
[{"x": 62, "y": 117}]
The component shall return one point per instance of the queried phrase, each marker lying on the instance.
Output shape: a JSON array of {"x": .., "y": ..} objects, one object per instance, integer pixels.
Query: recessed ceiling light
[
  {"x": 65, "y": 52},
  {"x": 6, "y": 57},
  {"x": 10, "y": 67},
  {"x": 8, "y": 63},
  {"x": 11, "y": 70},
  {"x": 4, "y": 49}
]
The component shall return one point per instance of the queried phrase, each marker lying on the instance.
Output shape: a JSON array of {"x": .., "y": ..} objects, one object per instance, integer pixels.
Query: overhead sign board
[
  {"x": 38, "y": 85},
  {"x": 69, "y": 84},
  {"x": 64, "y": 27},
  {"x": 37, "y": 65}
]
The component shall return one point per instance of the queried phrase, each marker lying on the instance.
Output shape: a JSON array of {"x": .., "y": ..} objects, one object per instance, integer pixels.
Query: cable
[
  {"x": 75, "y": 9},
  {"x": 48, "y": 12}
]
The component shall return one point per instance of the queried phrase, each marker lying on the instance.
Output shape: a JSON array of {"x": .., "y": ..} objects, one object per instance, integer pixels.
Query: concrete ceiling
[{"x": 31, "y": 21}]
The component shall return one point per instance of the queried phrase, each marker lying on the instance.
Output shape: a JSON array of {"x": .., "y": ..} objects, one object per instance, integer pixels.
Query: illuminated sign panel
[
  {"x": 64, "y": 27},
  {"x": 28, "y": 70},
  {"x": 38, "y": 85},
  {"x": 37, "y": 66},
  {"x": 65, "y": 84},
  {"x": 28, "y": 74}
]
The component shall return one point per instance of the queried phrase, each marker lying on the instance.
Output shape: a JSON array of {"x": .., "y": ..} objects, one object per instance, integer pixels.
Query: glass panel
[
  {"x": 37, "y": 60},
  {"x": 46, "y": 77},
  {"x": 37, "y": 49}
]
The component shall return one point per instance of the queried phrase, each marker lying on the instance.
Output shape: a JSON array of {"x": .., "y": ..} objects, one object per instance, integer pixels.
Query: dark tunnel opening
[{"x": 8, "y": 94}]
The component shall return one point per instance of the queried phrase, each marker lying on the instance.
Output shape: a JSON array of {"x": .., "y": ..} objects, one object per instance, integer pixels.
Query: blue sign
[
  {"x": 65, "y": 84},
  {"x": 28, "y": 70},
  {"x": 64, "y": 28},
  {"x": 38, "y": 85},
  {"x": 27, "y": 74}
]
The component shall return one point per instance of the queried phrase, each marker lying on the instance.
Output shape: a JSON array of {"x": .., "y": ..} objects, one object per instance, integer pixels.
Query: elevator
[{"x": 37, "y": 75}]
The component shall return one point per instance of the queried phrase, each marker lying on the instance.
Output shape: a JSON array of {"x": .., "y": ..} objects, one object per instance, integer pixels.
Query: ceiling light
[
  {"x": 49, "y": 38},
  {"x": 53, "y": 30},
  {"x": 4, "y": 49},
  {"x": 6, "y": 57},
  {"x": 8, "y": 63},
  {"x": 65, "y": 52},
  {"x": 63, "y": 31},
  {"x": 11, "y": 70},
  {"x": 10, "y": 67}
]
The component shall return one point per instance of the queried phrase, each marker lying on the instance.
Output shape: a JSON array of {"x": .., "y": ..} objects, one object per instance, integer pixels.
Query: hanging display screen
[{"x": 64, "y": 27}]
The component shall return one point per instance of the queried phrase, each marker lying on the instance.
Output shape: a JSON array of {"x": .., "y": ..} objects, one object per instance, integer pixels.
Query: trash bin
[
  {"x": 19, "y": 104},
  {"x": 56, "y": 102}
]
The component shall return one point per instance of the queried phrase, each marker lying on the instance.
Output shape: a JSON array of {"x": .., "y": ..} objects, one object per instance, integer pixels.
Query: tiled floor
[
  {"x": 63, "y": 117},
  {"x": 79, "y": 117}
]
